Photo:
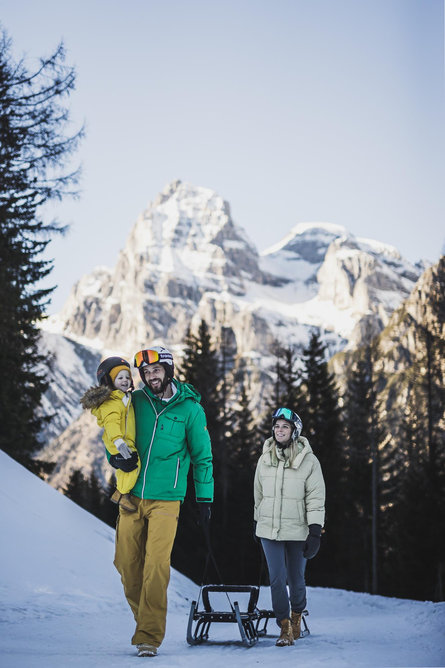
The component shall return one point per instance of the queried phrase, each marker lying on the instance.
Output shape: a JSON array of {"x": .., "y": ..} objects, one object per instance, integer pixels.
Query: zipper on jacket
[
  {"x": 281, "y": 496},
  {"x": 152, "y": 439},
  {"x": 177, "y": 473},
  {"x": 126, "y": 415}
]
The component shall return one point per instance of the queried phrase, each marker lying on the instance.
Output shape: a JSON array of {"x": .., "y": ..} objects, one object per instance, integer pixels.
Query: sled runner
[{"x": 252, "y": 623}]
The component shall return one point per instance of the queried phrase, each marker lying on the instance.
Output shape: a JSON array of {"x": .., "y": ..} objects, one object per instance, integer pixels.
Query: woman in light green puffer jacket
[{"x": 289, "y": 495}]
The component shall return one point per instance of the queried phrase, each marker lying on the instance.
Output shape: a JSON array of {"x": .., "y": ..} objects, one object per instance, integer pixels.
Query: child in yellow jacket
[{"x": 110, "y": 403}]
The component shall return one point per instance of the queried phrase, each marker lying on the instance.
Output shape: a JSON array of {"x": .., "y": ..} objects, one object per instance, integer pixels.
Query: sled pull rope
[{"x": 211, "y": 556}]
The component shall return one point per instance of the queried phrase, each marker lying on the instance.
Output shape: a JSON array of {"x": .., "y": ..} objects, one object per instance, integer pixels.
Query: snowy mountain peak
[
  {"x": 308, "y": 239},
  {"x": 189, "y": 230},
  {"x": 182, "y": 211},
  {"x": 185, "y": 260},
  {"x": 379, "y": 247},
  {"x": 184, "y": 215}
]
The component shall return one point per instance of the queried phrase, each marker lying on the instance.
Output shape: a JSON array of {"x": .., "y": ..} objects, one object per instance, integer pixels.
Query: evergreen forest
[{"x": 384, "y": 475}]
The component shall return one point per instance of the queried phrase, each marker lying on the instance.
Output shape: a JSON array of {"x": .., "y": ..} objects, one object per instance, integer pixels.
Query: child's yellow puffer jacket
[{"x": 116, "y": 418}]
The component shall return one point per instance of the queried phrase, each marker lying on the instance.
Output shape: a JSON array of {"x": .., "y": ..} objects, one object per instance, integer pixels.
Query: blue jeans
[{"x": 286, "y": 566}]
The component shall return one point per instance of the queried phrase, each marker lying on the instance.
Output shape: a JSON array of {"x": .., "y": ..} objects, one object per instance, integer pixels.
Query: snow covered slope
[{"x": 62, "y": 603}]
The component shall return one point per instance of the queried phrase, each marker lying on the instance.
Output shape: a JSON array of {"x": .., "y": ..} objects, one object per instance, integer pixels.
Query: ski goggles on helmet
[
  {"x": 290, "y": 416},
  {"x": 151, "y": 356},
  {"x": 286, "y": 414}
]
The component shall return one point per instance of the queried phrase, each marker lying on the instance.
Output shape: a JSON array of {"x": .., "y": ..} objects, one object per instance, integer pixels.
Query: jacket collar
[{"x": 292, "y": 457}]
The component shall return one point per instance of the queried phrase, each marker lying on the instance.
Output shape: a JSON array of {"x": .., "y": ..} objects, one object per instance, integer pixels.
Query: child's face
[{"x": 123, "y": 381}]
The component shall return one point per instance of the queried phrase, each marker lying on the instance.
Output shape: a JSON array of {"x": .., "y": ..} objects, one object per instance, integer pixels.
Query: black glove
[
  {"x": 205, "y": 513},
  {"x": 127, "y": 465},
  {"x": 255, "y": 537},
  {"x": 312, "y": 544}
]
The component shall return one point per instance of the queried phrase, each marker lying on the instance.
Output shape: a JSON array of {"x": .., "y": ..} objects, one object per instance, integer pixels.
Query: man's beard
[{"x": 160, "y": 388}]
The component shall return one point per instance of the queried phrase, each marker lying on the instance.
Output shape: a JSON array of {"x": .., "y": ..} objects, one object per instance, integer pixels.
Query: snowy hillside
[{"x": 62, "y": 603}]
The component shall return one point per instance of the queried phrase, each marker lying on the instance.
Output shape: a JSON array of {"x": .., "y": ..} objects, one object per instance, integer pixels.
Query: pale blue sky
[{"x": 293, "y": 111}]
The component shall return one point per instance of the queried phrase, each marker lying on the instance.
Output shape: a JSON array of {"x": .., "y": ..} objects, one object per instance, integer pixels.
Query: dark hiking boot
[
  {"x": 286, "y": 637},
  {"x": 124, "y": 501},
  {"x": 295, "y": 618}
]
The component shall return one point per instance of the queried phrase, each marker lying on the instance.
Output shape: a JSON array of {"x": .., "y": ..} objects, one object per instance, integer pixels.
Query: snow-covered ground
[{"x": 62, "y": 603}]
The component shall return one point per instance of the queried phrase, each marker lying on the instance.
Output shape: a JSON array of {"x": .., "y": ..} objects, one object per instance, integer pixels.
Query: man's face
[{"x": 155, "y": 376}]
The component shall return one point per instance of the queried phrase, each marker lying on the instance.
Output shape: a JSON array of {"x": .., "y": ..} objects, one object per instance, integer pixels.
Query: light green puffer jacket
[
  {"x": 169, "y": 436},
  {"x": 289, "y": 491}
]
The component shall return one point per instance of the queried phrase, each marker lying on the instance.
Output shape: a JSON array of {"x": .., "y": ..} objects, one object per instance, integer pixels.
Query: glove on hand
[
  {"x": 205, "y": 513},
  {"x": 255, "y": 537},
  {"x": 123, "y": 448},
  {"x": 312, "y": 544},
  {"x": 127, "y": 465}
]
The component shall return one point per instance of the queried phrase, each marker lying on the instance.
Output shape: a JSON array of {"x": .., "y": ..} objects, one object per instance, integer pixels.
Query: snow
[
  {"x": 286, "y": 264},
  {"x": 379, "y": 247},
  {"x": 295, "y": 304},
  {"x": 317, "y": 229},
  {"x": 62, "y": 603}
]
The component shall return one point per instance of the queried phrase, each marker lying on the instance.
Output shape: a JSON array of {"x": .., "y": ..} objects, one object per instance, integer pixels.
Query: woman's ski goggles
[
  {"x": 286, "y": 414},
  {"x": 147, "y": 356}
]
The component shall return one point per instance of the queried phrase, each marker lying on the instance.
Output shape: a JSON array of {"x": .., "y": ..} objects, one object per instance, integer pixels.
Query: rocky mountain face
[
  {"x": 72, "y": 368},
  {"x": 186, "y": 260},
  {"x": 409, "y": 358}
]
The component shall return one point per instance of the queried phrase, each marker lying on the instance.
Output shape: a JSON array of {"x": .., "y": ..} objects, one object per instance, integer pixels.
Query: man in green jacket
[{"x": 171, "y": 433}]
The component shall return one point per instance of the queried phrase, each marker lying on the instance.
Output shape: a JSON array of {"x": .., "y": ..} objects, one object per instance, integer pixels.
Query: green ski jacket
[{"x": 169, "y": 436}]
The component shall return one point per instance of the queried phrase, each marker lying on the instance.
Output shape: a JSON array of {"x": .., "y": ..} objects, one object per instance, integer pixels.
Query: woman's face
[{"x": 282, "y": 431}]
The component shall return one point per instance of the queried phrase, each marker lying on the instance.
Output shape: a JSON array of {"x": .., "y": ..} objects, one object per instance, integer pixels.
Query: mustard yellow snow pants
[{"x": 144, "y": 542}]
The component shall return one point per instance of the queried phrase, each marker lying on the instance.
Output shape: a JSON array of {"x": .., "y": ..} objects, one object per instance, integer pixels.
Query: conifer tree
[
  {"x": 319, "y": 401},
  {"x": 34, "y": 151},
  {"x": 200, "y": 368},
  {"x": 245, "y": 448},
  {"x": 415, "y": 518},
  {"x": 286, "y": 389},
  {"x": 320, "y": 412},
  {"x": 76, "y": 488},
  {"x": 404, "y": 521},
  {"x": 357, "y": 483}
]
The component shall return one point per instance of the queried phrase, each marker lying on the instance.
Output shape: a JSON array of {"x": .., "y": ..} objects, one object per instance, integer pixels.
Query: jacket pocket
[
  {"x": 173, "y": 427},
  {"x": 301, "y": 512}
]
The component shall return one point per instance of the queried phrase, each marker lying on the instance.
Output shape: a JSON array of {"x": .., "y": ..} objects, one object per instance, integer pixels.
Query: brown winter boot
[
  {"x": 286, "y": 638},
  {"x": 123, "y": 500},
  {"x": 295, "y": 618}
]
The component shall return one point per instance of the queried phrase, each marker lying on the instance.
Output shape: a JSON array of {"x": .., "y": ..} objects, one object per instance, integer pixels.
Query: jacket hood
[
  {"x": 294, "y": 455},
  {"x": 97, "y": 394}
]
